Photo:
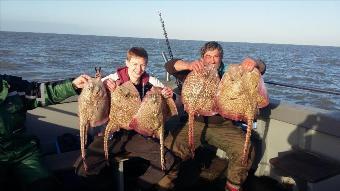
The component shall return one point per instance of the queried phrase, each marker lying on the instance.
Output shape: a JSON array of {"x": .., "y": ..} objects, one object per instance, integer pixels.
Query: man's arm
[
  {"x": 49, "y": 93},
  {"x": 170, "y": 66},
  {"x": 178, "y": 68},
  {"x": 177, "y": 65},
  {"x": 181, "y": 65}
]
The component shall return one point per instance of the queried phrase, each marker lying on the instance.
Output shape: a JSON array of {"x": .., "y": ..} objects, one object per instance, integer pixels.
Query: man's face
[
  {"x": 212, "y": 57},
  {"x": 136, "y": 68}
]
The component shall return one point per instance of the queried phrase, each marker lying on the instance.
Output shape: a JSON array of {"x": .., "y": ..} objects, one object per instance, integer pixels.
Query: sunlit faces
[
  {"x": 212, "y": 57},
  {"x": 136, "y": 68}
]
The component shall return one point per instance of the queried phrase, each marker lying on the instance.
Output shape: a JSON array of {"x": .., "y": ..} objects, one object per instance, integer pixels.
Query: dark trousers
[
  {"x": 214, "y": 131},
  {"x": 128, "y": 144}
]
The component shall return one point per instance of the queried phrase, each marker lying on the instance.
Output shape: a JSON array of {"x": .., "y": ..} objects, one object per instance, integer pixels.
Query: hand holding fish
[
  {"x": 196, "y": 65},
  {"x": 110, "y": 84},
  {"x": 80, "y": 81},
  {"x": 248, "y": 64},
  {"x": 167, "y": 92}
]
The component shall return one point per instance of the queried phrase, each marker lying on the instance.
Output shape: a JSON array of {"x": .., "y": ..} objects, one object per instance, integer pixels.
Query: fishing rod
[
  {"x": 165, "y": 35},
  {"x": 169, "y": 48},
  {"x": 303, "y": 88}
]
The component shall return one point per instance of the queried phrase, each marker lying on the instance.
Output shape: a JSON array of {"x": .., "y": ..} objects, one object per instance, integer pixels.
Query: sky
[{"x": 269, "y": 21}]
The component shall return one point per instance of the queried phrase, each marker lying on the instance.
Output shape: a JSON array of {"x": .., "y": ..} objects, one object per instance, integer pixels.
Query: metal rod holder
[{"x": 166, "y": 60}]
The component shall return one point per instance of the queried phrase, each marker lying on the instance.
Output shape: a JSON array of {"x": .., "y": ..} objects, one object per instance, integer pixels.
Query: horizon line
[{"x": 170, "y": 38}]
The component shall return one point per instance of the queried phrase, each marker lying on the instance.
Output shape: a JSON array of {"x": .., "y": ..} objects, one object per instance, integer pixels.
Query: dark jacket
[{"x": 142, "y": 87}]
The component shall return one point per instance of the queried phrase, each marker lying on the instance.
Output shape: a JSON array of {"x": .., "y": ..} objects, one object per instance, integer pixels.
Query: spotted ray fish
[
  {"x": 125, "y": 102},
  {"x": 239, "y": 95},
  {"x": 93, "y": 103},
  {"x": 198, "y": 92},
  {"x": 151, "y": 116}
]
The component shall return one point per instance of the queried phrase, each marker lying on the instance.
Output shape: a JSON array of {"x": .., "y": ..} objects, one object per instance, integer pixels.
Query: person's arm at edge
[{"x": 50, "y": 93}]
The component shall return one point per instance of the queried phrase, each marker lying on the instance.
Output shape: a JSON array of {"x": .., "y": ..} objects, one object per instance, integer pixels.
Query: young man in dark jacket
[{"x": 19, "y": 153}]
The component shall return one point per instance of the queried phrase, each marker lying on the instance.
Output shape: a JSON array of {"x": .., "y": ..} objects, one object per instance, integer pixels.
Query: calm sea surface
[{"x": 42, "y": 57}]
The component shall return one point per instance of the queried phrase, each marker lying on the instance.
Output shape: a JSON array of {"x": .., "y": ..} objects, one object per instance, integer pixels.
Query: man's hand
[
  {"x": 249, "y": 64},
  {"x": 80, "y": 81},
  {"x": 196, "y": 66},
  {"x": 167, "y": 92},
  {"x": 110, "y": 84}
]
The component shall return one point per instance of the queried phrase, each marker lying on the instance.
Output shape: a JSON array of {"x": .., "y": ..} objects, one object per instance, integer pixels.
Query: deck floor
[{"x": 253, "y": 183}]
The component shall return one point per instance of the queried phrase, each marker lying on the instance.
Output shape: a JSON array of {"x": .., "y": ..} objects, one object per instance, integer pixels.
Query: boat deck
[{"x": 280, "y": 127}]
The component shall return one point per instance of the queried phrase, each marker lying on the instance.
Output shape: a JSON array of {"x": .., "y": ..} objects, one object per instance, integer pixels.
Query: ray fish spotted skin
[
  {"x": 93, "y": 103},
  {"x": 125, "y": 102},
  {"x": 239, "y": 96},
  {"x": 198, "y": 92},
  {"x": 151, "y": 116}
]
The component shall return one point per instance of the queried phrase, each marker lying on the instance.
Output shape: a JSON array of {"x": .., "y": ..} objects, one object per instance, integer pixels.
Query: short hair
[
  {"x": 212, "y": 45},
  {"x": 137, "y": 52}
]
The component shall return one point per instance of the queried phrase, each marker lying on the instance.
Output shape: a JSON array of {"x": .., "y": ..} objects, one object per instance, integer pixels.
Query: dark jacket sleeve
[
  {"x": 34, "y": 94},
  {"x": 48, "y": 93},
  {"x": 179, "y": 75},
  {"x": 170, "y": 66}
]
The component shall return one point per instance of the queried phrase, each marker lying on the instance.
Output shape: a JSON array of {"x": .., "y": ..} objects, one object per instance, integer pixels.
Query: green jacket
[{"x": 16, "y": 97}]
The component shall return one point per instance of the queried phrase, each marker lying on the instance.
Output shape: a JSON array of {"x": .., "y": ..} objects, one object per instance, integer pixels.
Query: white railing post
[{"x": 166, "y": 60}]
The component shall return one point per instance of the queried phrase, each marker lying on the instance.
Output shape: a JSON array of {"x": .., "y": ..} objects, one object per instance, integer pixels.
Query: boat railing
[{"x": 302, "y": 87}]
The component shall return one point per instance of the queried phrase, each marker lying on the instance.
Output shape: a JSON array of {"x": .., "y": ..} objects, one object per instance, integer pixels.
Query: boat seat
[{"x": 306, "y": 165}]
